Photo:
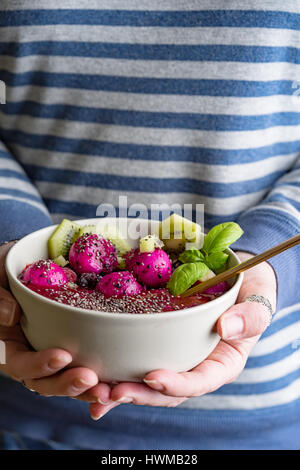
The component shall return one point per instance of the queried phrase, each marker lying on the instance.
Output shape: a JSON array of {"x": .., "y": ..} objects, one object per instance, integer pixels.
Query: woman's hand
[
  {"x": 239, "y": 327},
  {"x": 39, "y": 371}
]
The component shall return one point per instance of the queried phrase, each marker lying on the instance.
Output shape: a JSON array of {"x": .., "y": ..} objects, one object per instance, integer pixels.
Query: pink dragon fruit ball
[
  {"x": 119, "y": 284},
  {"x": 152, "y": 269},
  {"x": 218, "y": 288},
  {"x": 71, "y": 275},
  {"x": 92, "y": 253},
  {"x": 44, "y": 273}
]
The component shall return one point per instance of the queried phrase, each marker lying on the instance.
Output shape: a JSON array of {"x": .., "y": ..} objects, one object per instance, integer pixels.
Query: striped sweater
[{"x": 160, "y": 101}]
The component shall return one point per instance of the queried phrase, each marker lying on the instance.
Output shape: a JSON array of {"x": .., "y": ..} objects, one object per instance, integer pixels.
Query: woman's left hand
[{"x": 239, "y": 328}]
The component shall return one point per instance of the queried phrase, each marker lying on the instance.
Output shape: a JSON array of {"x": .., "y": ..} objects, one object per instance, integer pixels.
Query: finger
[
  {"x": 4, "y": 249},
  {"x": 243, "y": 320},
  {"x": 141, "y": 394},
  {"x": 70, "y": 383},
  {"x": 15, "y": 334},
  {"x": 10, "y": 310},
  {"x": 21, "y": 363},
  {"x": 137, "y": 394},
  {"x": 98, "y": 411},
  {"x": 222, "y": 366},
  {"x": 98, "y": 394},
  {"x": 260, "y": 279}
]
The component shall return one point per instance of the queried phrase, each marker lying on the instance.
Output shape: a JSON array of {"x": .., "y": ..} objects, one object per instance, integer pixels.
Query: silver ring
[{"x": 261, "y": 300}]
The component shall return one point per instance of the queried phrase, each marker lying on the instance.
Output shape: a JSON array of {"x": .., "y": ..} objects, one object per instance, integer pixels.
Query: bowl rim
[{"x": 99, "y": 313}]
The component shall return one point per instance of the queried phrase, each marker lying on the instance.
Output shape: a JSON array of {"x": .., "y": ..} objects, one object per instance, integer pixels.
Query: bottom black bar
[{"x": 140, "y": 458}]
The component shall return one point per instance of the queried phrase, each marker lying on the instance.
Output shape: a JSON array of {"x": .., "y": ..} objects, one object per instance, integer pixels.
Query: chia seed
[{"x": 147, "y": 302}]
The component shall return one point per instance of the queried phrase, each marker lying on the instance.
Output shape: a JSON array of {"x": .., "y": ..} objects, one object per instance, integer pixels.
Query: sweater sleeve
[
  {"x": 22, "y": 209},
  {"x": 272, "y": 221}
]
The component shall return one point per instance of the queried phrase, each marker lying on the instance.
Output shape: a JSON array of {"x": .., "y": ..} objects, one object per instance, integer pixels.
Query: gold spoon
[{"x": 243, "y": 266}]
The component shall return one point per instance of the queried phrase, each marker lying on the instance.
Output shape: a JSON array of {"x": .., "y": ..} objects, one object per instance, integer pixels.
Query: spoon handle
[{"x": 275, "y": 250}]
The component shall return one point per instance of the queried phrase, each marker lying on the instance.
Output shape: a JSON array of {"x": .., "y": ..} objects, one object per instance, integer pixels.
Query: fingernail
[
  {"x": 102, "y": 402},
  {"x": 80, "y": 383},
  {"x": 98, "y": 400},
  {"x": 93, "y": 400},
  {"x": 7, "y": 310},
  {"x": 124, "y": 400},
  {"x": 154, "y": 384},
  {"x": 58, "y": 362},
  {"x": 232, "y": 326},
  {"x": 95, "y": 418}
]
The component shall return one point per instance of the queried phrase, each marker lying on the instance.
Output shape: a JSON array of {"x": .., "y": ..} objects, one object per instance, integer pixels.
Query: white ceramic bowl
[{"x": 119, "y": 347}]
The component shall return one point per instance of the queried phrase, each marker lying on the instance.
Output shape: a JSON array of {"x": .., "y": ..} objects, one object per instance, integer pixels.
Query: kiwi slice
[
  {"x": 121, "y": 263},
  {"x": 177, "y": 233},
  {"x": 61, "y": 239},
  {"x": 149, "y": 243},
  {"x": 110, "y": 233},
  {"x": 83, "y": 230},
  {"x": 60, "y": 261}
]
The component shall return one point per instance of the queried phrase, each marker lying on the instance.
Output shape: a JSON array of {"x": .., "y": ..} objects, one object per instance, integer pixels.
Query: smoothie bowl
[{"x": 113, "y": 301}]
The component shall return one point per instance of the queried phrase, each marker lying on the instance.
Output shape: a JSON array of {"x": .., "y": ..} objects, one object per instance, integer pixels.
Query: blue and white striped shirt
[{"x": 164, "y": 101}]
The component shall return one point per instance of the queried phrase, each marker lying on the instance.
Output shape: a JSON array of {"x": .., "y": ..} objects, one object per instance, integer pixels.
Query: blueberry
[{"x": 89, "y": 280}]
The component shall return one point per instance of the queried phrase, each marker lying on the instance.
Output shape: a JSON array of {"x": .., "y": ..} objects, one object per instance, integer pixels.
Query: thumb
[
  {"x": 10, "y": 310},
  {"x": 4, "y": 249},
  {"x": 244, "y": 320},
  {"x": 248, "y": 319}
]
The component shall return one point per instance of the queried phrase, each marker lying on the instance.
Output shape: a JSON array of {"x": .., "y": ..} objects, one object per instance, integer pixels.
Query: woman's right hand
[{"x": 39, "y": 371}]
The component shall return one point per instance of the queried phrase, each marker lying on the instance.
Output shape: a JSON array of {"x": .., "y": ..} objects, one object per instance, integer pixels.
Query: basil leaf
[
  {"x": 220, "y": 237},
  {"x": 191, "y": 256},
  {"x": 216, "y": 261},
  {"x": 185, "y": 276}
]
